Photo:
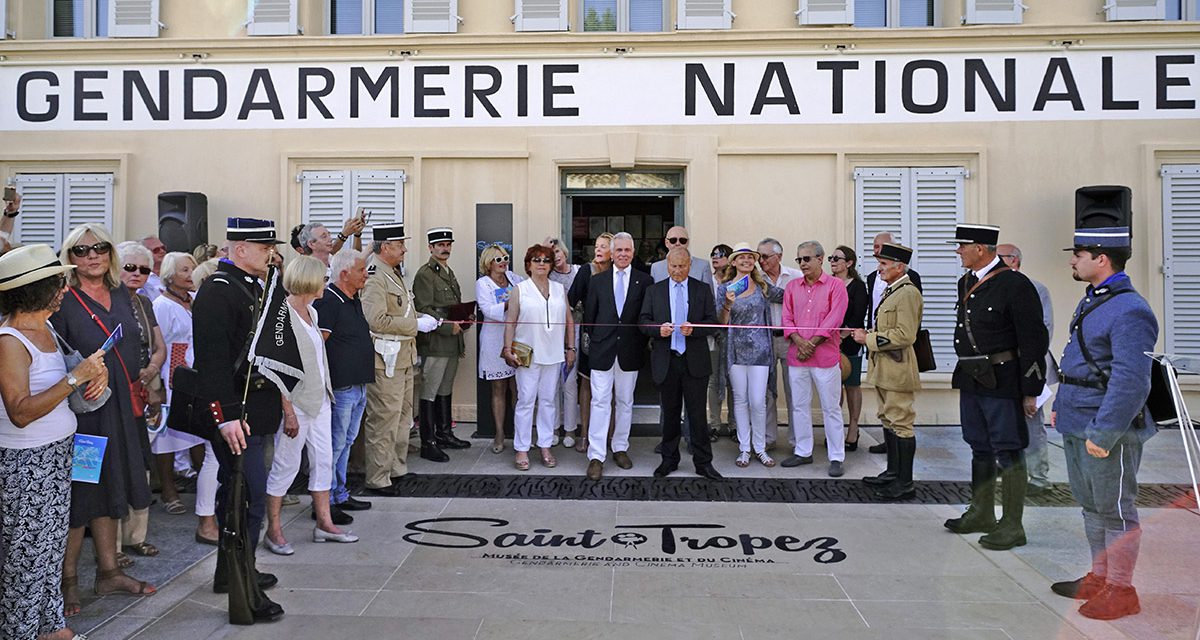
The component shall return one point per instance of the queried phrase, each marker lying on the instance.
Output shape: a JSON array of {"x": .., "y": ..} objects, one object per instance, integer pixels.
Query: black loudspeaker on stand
[
  {"x": 182, "y": 220},
  {"x": 1103, "y": 206}
]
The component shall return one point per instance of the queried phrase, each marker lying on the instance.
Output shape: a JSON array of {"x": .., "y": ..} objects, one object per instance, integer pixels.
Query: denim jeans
[{"x": 348, "y": 405}]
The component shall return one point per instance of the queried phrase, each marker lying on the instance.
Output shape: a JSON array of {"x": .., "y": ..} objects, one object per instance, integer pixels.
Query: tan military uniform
[
  {"x": 896, "y": 322},
  {"x": 390, "y": 312}
]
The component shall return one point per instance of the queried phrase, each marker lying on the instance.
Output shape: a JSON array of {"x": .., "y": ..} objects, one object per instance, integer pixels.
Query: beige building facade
[{"x": 741, "y": 119}]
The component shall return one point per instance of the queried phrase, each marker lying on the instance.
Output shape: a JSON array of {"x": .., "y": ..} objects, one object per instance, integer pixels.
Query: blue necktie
[
  {"x": 620, "y": 292},
  {"x": 678, "y": 317}
]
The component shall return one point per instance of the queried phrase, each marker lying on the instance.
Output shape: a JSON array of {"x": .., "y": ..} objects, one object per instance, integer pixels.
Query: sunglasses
[
  {"x": 131, "y": 268},
  {"x": 805, "y": 259},
  {"x": 500, "y": 259},
  {"x": 836, "y": 258},
  {"x": 766, "y": 256},
  {"x": 101, "y": 249},
  {"x": 541, "y": 260},
  {"x": 717, "y": 254},
  {"x": 677, "y": 240},
  {"x": 158, "y": 250}
]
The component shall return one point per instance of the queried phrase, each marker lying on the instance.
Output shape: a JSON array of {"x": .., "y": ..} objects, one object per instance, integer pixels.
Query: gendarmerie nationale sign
[
  {"x": 661, "y": 544},
  {"x": 1077, "y": 84}
]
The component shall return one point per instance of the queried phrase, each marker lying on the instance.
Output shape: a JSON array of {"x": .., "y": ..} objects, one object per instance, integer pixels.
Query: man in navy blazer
[
  {"x": 679, "y": 359},
  {"x": 616, "y": 351}
]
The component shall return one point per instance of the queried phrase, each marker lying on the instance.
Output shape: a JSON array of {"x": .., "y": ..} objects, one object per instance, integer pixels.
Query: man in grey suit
[
  {"x": 1037, "y": 455},
  {"x": 678, "y": 237}
]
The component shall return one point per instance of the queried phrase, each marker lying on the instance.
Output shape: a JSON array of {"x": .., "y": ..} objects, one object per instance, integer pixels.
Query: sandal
[
  {"x": 497, "y": 447},
  {"x": 70, "y": 593},
  {"x": 522, "y": 465},
  {"x": 581, "y": 444},
  {"x": 743, "y": 459},
  {"x": 548, "y": 460},
  {"x": 144, "y": 549},
  {"x": 123, "y": 560},
  {"x": 175, "y": 507},
  {"x": 766, "y": 460},
  {"x": 144, "y": 588}
]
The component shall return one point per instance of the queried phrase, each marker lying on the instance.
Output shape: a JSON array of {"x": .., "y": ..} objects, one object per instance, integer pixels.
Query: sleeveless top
[
  {"x": 45, "y": 371},
  {"x": 542, "y": 322}
]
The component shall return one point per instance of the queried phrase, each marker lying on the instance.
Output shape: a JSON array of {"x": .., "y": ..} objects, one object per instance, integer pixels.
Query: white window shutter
[
  {"x": 826, "y": 12},
  {"x": 1181, "y": 253},
  {"x": 41, "y": 203},
  {"x": 381, "y": 193},
  {"x": 87, "y": 198},
  {"x": 937, "y": 205},
  {"x": 271, "y": 18},
  {"x": 325, "y": 198},
  {"x": 881, "y": 205},
  {"x": 704, "y": 14},
  {"x": 995, "y": 11},
  {"x": 431, "y": 16},
  {"x": 1135, "y": 9},
  {"x": 540, "y": 15},
  {"x": 3, "y": 19},
  {"x": 133, "y": 19}
]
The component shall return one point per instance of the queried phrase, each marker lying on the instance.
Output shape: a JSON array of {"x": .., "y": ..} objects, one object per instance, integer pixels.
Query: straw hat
[
  {"x": 27, "y": 264},
  {"x": 743, "y": 247}
]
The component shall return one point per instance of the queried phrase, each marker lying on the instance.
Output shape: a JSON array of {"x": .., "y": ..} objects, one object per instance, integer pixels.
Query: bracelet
[
  {"x": 570, "y": 348},
  {"x": 358, "y": 235},
  {"x": 13, "y": 214},
  {"x": 343, "y": 237}
]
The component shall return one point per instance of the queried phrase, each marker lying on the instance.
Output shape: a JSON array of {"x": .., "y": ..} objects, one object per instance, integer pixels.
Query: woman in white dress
[
  {"x": 564, "y": 273},
  {"x": 492, "y": 291},
  {"x": 538, "y": 317},
  {"x": 174, "y": 312}
]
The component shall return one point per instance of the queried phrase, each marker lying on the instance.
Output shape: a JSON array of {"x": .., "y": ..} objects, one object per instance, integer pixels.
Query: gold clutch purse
[{"x": 523, "y": 352}]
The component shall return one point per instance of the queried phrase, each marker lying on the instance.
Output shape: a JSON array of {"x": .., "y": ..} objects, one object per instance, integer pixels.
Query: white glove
[{"x": 427, "y": 323}]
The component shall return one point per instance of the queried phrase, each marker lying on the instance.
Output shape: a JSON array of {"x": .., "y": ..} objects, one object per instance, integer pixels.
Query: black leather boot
[
  {"x": 1014, "y": 482},
  {"x": 429, "y": 446},
  {"x": 980, "y": 516},
  {"x": 890, "y": 474},
  {"x": 443, "y": 422},
  {"x": 902, "y": 487}
]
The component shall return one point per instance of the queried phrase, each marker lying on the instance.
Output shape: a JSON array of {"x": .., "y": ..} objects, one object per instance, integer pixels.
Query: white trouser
[
  {"x": 750, "y": 381},
  {"x": 828, "y": 381},
  {"x": 602, "y": 397},
  {"x": 536, "y": 384},
  {"x": 315, "y": 435},
  {"x": 569, "y": 399},
  {"x": 206, "y": 484}
]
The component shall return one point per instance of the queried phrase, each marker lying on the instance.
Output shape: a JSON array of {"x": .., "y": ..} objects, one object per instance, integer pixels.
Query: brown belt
[{"x": 1002, "y": 357}]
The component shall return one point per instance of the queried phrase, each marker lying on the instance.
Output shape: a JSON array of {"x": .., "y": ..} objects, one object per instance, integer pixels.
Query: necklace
[{"x": 504, "y": 277}]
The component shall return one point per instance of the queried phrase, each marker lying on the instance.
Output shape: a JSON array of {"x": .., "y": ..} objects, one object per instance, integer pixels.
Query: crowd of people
[{"x": 562, "y": 343}]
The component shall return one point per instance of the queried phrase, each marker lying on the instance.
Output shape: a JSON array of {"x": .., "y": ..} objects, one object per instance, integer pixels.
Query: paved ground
[{"x": 738, "y": 570}]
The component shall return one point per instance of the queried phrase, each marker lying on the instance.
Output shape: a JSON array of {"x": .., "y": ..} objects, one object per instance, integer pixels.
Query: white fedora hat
[{"x": 27, "y": 264}]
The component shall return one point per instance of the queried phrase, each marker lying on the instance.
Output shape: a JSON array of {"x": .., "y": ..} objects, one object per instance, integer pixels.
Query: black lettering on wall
[
  {"x": 549, "y": 90},
  {"x": 421, "y": 90},
  {"x": 159, "y": 110},
  {"x": 838, "y": 67},
  {"x": 23, "y": 111},
  {"x": 1164, "y": 82},
  {"x": 522, "y": 90},
  {"x": 787, "y": 96},
  {"x": 261, "y": 78},
  {"x": 189, "y": 94},
  {"x": 1107, "y": 102},
  {"x": 82, "y": 95},
  {"x": 906, "y": 87},
  {"x": 1057, "y": 67},
  {"x": 472, "y": 94},
  {"x": 976, "y": 71},
  {"x": 389, "y": 77},
  {"x": 314, "y": 95},
  {"x": 722, "y": 104},
  {"x": 880, "y": 86}
]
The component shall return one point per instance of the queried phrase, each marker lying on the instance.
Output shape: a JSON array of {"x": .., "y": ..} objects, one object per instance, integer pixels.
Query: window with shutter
[
  {"x": 827, "y": 11},
  {"x": 53, "y": 203},
  {"x": 994, "y": 12},
  {"x": 366, "y": 17},
  {"x": 1135, "y": 9},
  {"x": 920, "y": 207},
  {"x": 271, "y": 18},
  {"x": 623, "y": 15},
  {"x": 79, "y": 18},
  {"x": 3, "y": 19},
  {"x": 1183, "y": 10},
  {"x": 540, "y": 15},
  {"x": 1181, "y": 257},
  {"x": 705, "y": 14},
  {"x": 432, "y": 16},
  {"x": 133, "y": 19},
  {"x": 331, "y": 197}
]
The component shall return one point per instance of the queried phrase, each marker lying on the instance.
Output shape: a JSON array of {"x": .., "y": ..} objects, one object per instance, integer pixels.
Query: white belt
[{"x": 388, "y": 347}]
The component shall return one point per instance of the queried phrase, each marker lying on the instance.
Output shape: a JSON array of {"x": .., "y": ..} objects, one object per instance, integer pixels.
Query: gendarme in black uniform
[
  {"x": 222, "y": 326},
  {"x": 1000, "y": 342}
]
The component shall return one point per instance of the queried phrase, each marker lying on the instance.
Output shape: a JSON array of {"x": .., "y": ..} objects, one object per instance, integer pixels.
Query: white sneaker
[{"x": 568, "y": 439}]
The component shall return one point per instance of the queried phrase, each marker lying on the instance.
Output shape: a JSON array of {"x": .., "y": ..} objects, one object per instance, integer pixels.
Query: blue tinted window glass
[
  {"x": 916, "y": 13},
  {"x": 389, "y": 16},
  {"x": 102, "y": 18},
  {"x": 599, "y": 15},
  {"x": 1174, "y": 9},
  {"x": 645, "y": 15},
  {"x": 870, "y": 13},
  {"x": 345, "y": 17}
]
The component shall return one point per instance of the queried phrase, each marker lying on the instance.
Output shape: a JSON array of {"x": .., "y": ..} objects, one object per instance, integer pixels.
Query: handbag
[
  {"x": 523, "y": 352},
  {"x": 923, "y": 349},
  {"x": 154, "y": 393},
  {"x": 71, "y": 358},
  {"x": 136, "y": 399}
]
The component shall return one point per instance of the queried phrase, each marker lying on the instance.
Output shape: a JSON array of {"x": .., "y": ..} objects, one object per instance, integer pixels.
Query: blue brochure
[
  {"x": 502, "y": 294},
  {"x": 739, "y": 286},
  {"x": 89, "y": 454},
  {"x": 113, "y": 339}
]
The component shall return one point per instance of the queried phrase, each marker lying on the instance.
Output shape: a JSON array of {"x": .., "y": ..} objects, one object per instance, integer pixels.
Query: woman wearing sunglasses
[
  {"x": 492, "y": 291},
  {"x": 843, "y": 264},
  {"x": 95, "y": 303}
]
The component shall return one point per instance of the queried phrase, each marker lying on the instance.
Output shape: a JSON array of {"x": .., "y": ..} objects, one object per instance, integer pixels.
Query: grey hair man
[
  {"x": 876, "y": 286},
  {"x": 770, "y": 258},
  {"x": 317, "y": 240}
]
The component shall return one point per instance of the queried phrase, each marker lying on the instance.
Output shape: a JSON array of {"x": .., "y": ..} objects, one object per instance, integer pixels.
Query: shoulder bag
[{"x": 137, "y": 391}]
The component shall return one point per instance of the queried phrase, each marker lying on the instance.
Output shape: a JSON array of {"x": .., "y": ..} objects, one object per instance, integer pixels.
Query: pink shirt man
[{"x": 821, "y": 304}]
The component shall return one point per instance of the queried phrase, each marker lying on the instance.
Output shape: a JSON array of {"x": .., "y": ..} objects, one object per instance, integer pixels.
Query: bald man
[{"x": 677, "y": 237}]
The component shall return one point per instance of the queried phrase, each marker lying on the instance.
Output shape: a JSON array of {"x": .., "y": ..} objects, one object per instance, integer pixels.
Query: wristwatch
[
  {"x": 343, "y": 237},
  {"x": 13, "y": 214},
  {"x": 73, "y": 382}
]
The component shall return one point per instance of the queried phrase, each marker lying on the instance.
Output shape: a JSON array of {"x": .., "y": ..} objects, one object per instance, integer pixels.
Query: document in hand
[{"x": 739, "y": 286}]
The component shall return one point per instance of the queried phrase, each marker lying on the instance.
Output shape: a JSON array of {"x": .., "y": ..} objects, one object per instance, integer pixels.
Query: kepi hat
[
  {"x": 251, "y": 230},
  {"x": 1102, "y": 238},
  {"x": 440, "y": 234},
  {"x": 895, "y": 252},
  {"x": 975, "y": 234},
  {"x": 385, "y": 232},
  {"x": 27, "y": 264}
]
